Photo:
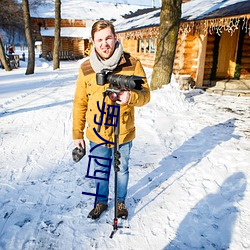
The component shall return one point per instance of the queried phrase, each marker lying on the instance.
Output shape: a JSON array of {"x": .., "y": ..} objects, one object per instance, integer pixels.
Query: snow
[
  {"x": 86, "y": 10},
  {"x": 84, "y": 33},
  {"x": 189, "y": 169}
]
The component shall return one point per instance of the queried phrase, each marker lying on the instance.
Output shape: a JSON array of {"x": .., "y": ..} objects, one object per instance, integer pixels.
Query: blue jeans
[{"x": 101, "y": 170}]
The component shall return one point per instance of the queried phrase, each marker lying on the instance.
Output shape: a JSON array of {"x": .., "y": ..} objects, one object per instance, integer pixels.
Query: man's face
[{"x": 104, "y": 42}]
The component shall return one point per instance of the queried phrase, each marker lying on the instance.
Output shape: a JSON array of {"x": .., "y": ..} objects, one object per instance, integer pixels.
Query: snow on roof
[
  {"x": 197, "y": 9},
  {"x": 85, "y": 10},
  {"x": 192, "y": 10},
  {"x": 145, "y": 20},
  {"x": 79, "y": 32}
]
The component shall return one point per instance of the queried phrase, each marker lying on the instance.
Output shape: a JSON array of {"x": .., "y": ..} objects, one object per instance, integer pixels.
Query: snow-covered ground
[{"x": 189, "y": 169}]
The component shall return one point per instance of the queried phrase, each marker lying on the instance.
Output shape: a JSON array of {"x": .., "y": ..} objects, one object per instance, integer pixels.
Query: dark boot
[
  {"x": 97, "y": 211},
  {"x": 122, "y": 211}
]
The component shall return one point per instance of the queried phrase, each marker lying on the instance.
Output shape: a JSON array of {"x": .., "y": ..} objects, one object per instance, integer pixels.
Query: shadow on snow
[
  {"x": 190, "y": 153},
  {"x": 210, "y": 223},
  {"x": 23, "y": 110}
]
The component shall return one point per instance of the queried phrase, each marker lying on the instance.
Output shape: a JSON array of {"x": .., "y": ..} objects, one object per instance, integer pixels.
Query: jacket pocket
[{"x": 127, "y": 120}]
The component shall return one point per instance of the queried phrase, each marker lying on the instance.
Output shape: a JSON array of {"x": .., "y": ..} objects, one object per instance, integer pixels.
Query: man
[{"x": 107, "y": 54}]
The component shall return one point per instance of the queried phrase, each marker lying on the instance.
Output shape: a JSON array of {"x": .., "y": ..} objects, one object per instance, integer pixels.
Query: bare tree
[
  {"x": 11, "y": 16},
  {"x": 11, "y": 24},
  {"x": 36, "y": 3},
  {"x": 28, "y": 33},
  {"x": 168, "y": 34},
  {"x": 3, "y": 57},
  {"x": 56, "y": 59}
]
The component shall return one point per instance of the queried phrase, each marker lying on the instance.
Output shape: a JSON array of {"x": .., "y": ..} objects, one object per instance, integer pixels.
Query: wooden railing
[{"x": 64, "y": 55}]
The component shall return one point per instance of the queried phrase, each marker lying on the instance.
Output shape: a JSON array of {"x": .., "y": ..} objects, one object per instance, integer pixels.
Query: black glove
[{"x": 78, "y": 153}]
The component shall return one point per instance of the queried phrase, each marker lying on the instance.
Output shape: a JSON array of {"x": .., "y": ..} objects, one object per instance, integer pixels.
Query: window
[{"x": 146, "y": 45}]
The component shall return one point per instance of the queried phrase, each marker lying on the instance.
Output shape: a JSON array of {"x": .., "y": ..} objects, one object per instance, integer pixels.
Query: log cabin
[
  {"x": 213, "y": 41},
  {"x": 74, "y": 37}
]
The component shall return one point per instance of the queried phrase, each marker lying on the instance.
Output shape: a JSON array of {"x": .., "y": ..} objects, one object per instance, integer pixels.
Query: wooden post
[{"x": 201, "y": 60}]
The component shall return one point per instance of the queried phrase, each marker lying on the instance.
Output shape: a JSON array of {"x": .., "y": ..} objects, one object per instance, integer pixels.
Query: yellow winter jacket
[{"x": 88, "y": 93}]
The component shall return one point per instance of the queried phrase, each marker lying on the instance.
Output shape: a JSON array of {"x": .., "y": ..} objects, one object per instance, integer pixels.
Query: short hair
[{"x": 101, "y": 24}]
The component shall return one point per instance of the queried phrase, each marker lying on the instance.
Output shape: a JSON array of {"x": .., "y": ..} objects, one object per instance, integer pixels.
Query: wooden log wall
[
  {"x": 245, "y": 60},
  {"x": 178, "y": 61},
  {"x": 79, "y": 46},
  {"x": 146, "y": 59},
  {"x": 190, "y": 56},
  {"x": 66, "y": 44},
  {"x": 73, "y": 45},
  {"x": 131, "y": 46},
  {"x": 209, "y": 57},
  {"x": 185, "y": 59},
  {"x": 50, "y": 22},
  {"x": 47, "y": 45},
  {"x": 186, "y": 55}
]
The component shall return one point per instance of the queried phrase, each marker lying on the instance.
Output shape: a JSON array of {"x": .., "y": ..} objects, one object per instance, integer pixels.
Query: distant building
[{"x": 75, "y": 36}]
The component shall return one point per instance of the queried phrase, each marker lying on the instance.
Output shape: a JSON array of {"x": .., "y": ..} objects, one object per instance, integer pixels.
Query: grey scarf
[{"x": 98, "y": 64}]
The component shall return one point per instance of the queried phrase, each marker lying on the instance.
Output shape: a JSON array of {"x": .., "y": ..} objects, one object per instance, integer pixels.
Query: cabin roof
[
  {"x": 140, "y": 21},
  {"x": 208, "y": 9},
  {"x": 193, "y": 10}
]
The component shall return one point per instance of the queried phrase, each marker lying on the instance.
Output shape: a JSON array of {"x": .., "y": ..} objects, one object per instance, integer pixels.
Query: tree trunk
[
  {"x": 28, "y": 33},
  {"x": 168, "y": 34},
  {"x": 56, "y": 59},
  {"x": 3, "y": 57}
]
